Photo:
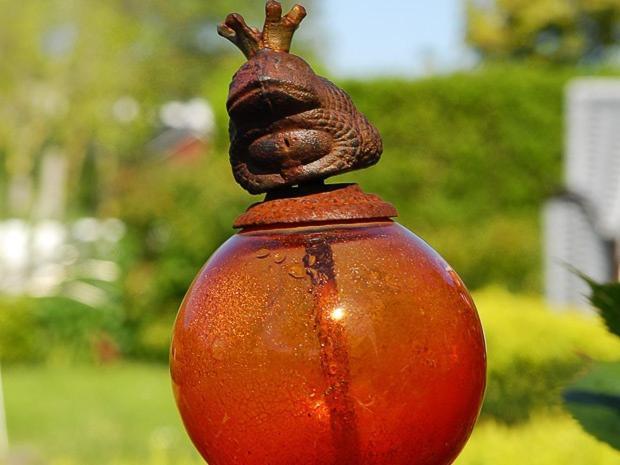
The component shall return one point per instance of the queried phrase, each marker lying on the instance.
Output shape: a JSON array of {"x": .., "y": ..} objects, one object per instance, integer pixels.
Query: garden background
[{"x": 469, "y": 159}]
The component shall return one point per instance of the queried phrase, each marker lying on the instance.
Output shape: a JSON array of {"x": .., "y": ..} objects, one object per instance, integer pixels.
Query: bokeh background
[{"x": 115, "y": 188}]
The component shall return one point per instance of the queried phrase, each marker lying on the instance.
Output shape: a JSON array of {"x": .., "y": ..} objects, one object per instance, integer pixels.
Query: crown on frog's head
[{"x": 276, "y": 35}]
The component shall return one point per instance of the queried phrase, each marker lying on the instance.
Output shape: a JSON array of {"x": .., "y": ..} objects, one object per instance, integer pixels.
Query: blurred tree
[
  {"x": 87, "y": 79},
  {"x": 560, "y": 31}
]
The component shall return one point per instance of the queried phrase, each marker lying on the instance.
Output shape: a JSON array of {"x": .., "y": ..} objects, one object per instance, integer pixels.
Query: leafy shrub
[
  {"x": 57, "y": 329},
  {"x": 20, "y": 338},
  {"x": 533, "y": 352},
  {"x": 544, "y": 440},
  {"x": 594, "y": 399}
]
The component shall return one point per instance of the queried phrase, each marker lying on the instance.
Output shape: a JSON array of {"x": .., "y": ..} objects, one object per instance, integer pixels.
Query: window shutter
[
  {"x": 593, "y": 149},
  {"x": 572, "y": 243}
]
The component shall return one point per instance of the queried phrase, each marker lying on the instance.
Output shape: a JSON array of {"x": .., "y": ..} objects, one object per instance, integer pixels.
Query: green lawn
[{"x": 94, "y": 415}]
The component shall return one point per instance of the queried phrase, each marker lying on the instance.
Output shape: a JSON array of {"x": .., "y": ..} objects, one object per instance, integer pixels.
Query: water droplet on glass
[
  {"x": 297, "y": 271},
  {"x": 262, "y": 253}
]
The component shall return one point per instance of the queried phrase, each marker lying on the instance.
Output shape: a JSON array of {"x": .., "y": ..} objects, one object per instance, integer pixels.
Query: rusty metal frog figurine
[
  {"x": 323, "y": 333},
  {"x": 288, "y": 125}
]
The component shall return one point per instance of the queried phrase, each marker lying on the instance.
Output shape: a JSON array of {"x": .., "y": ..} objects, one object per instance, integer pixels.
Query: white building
[{"x": 582, "y": 227}]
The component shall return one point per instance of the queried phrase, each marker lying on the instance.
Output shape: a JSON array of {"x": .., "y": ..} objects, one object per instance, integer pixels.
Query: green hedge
[
  {"x": 58, "y": 330},
  {"x": 469, "y": 159},
  {"x": 534, "y": 352}
]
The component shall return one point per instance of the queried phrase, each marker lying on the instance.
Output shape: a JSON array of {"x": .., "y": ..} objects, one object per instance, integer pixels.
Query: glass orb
[{"x": 340, "y": 344}]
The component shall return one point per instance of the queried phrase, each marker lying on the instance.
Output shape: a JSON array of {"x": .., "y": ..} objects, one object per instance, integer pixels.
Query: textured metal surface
[
  {"x": 289, "y": 126},
  {"x": 317, "y": 204}
]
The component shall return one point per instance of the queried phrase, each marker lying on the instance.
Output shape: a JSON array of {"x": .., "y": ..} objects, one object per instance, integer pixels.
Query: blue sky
[{"x": 392, "y": 37}]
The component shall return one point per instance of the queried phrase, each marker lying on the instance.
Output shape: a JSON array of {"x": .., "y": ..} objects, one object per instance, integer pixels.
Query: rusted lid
[{"x": 316, "y": 204}]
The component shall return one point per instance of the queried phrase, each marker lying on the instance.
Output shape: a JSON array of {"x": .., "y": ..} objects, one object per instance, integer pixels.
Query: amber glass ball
[{"x": 337, "y": 344}]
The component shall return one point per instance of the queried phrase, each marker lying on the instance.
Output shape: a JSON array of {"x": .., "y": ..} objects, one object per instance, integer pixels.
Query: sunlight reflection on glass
[{"x": 338, "y": 314}]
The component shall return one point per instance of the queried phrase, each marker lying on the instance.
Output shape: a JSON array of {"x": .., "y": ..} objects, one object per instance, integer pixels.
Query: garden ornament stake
[{"x": 323, "y": 333}]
